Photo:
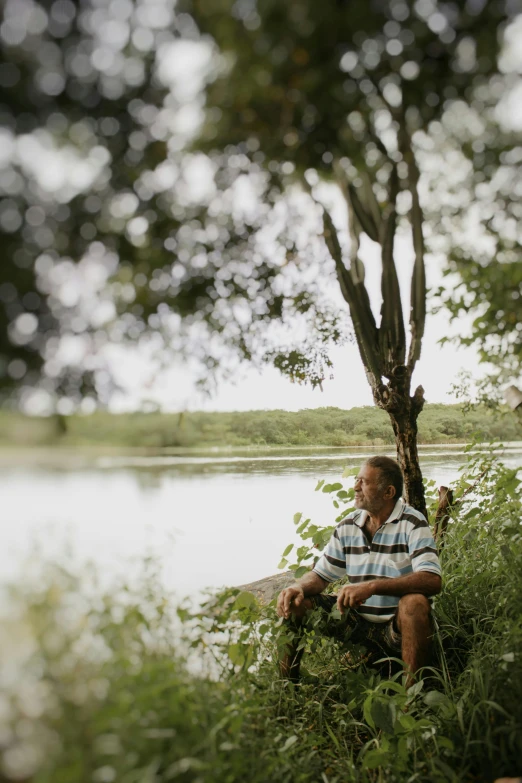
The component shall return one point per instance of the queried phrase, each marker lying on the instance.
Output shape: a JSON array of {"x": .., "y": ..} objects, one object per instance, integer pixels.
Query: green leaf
[
  {"x": 297, "y": 517},
  {"x": 407, "y": 722},
  {"x": 301, "y": 571},
  {"x": 434, "y": 698},
  {"x": 245, "y": 600},
  {"x": 332, "y": 487},
  {"x": 182, "y": 766},
  {"x": 367, "y": 711},
  {"x": 375, "y": 758},
  {"x": 392, "y": 686},
  {"x": 236, "y": 653},
  {"x": 332, "y": 735},
  {"x": 226, "y": 746},
  {"x": 283, "y": 563},
  {"x": 319, "y": 485},
  {"x": 288, "y": 550},
  {"x": 416, "y": 688},
  {"x": 288, "y": 744},
  {"x": 383, "y": 714},
  {"x": 302, "y": 527}
]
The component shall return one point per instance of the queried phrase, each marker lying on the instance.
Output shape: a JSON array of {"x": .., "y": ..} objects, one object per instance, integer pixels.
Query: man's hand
[
  {"x": 291, "y": 596},
  {"x": 354, "y": 595}
]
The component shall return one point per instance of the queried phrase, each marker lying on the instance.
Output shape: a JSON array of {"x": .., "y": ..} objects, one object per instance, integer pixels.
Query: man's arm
[
  {"x": 424, "y": 582},
  {"x": 309, "y": 584}
]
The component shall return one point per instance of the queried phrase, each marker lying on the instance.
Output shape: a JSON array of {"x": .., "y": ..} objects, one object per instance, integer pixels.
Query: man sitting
[{"x": 387, "y": 550}]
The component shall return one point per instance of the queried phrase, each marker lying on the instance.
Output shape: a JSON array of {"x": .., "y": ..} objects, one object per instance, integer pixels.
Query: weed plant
[{"x": 126, "y": 687}]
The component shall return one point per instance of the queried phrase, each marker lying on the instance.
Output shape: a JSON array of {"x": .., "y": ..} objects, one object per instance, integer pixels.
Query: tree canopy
[{"x": 187, "y": 131}]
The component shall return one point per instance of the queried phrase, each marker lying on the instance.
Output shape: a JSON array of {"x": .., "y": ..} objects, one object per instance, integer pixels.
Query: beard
[{"x": 370, "y": 504}]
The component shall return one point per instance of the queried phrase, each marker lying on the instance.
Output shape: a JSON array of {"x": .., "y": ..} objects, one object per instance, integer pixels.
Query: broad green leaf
[
  {"x": 245, "y": 600},
  {"x": 434, "y": 698},
  {"x": 297, "y": 517},
  {"x": 375, "y": 758},
  {"x": 383, "y": 714},
  {"x": 332, "y": 487},
  {"x": 416, "y": 688},
  {"x": 392, "y": 686},
  {"x": 407, "y": 722},
  {"x": 236, "y": 653}
]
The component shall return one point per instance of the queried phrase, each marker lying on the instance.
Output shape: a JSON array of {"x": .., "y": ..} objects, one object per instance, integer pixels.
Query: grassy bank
[
  {"x": 105, "y": 693},
  {"x": 314, "y": 427}
]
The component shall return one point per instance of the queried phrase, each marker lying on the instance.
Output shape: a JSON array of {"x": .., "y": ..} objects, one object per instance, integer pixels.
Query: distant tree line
[{"x": 314, "y": 427}]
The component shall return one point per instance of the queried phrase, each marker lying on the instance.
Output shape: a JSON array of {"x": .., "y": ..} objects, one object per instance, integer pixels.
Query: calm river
[{"x": 210, "y": 519}]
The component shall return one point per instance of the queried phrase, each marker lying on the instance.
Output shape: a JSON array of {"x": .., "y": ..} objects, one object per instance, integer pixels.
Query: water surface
[{"x": 211, "y": 518}]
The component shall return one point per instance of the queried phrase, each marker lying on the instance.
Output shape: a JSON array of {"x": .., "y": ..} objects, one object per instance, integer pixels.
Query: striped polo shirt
[{"x": 402, "y": 545}]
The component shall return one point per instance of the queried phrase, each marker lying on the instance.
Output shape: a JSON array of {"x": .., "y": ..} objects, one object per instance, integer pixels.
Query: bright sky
[{"x": 436, "y": 370}]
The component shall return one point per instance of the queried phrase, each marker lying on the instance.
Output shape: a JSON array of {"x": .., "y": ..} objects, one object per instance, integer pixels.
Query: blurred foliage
[
  {"x": 317, "y": 427},
  {"x": 136, "y": 207},
  {"x": 120, "y": 684}
]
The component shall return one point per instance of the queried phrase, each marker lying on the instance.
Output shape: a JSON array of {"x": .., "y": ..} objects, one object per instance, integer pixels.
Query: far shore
[
  {"x": 19, "y": 455},
  {"x": 247, "y": 432}
]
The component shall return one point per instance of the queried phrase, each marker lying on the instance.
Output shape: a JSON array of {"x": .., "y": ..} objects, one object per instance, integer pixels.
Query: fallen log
[{"x": 266, "y": 589}]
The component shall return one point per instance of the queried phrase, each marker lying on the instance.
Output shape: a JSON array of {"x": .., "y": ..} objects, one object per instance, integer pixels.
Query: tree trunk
[
  {"x": 403, "y": 411},
  {"x": 443, "y": 514}
]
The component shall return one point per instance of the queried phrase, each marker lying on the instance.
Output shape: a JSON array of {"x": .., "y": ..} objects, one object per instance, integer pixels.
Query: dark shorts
[{"x": 383, "y": 637}]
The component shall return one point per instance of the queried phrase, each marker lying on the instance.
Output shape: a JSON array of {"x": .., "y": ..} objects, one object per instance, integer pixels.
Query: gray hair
[{"x": 391, "y": 473}]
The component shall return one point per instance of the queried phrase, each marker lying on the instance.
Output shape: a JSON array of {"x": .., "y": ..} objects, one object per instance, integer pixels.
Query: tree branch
[
  {"x": 392, "y": 336},
  {"x": 418, "y": 280},
  {"x": 356, "y": 295}
]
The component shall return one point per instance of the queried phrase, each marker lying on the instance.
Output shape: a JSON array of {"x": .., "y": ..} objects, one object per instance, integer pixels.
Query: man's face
[{"x": 368, "y": 494}]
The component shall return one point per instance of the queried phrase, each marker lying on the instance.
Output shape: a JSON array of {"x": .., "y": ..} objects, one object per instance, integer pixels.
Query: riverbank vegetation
[
  {"x": 314, "y": 427},
  {"x": 123, "y": 685}
]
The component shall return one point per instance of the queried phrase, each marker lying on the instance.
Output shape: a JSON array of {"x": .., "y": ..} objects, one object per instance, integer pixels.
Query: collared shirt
[{"x": 402, "y": 545}]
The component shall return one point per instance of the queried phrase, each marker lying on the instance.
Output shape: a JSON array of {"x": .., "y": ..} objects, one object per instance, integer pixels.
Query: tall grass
[{"x": 126, "y": 686}]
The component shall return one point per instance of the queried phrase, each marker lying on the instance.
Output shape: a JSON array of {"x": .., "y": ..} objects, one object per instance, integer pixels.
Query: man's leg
[
  {"x": 290, "y": 659},
  {"x": 414, "y": 623}
]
